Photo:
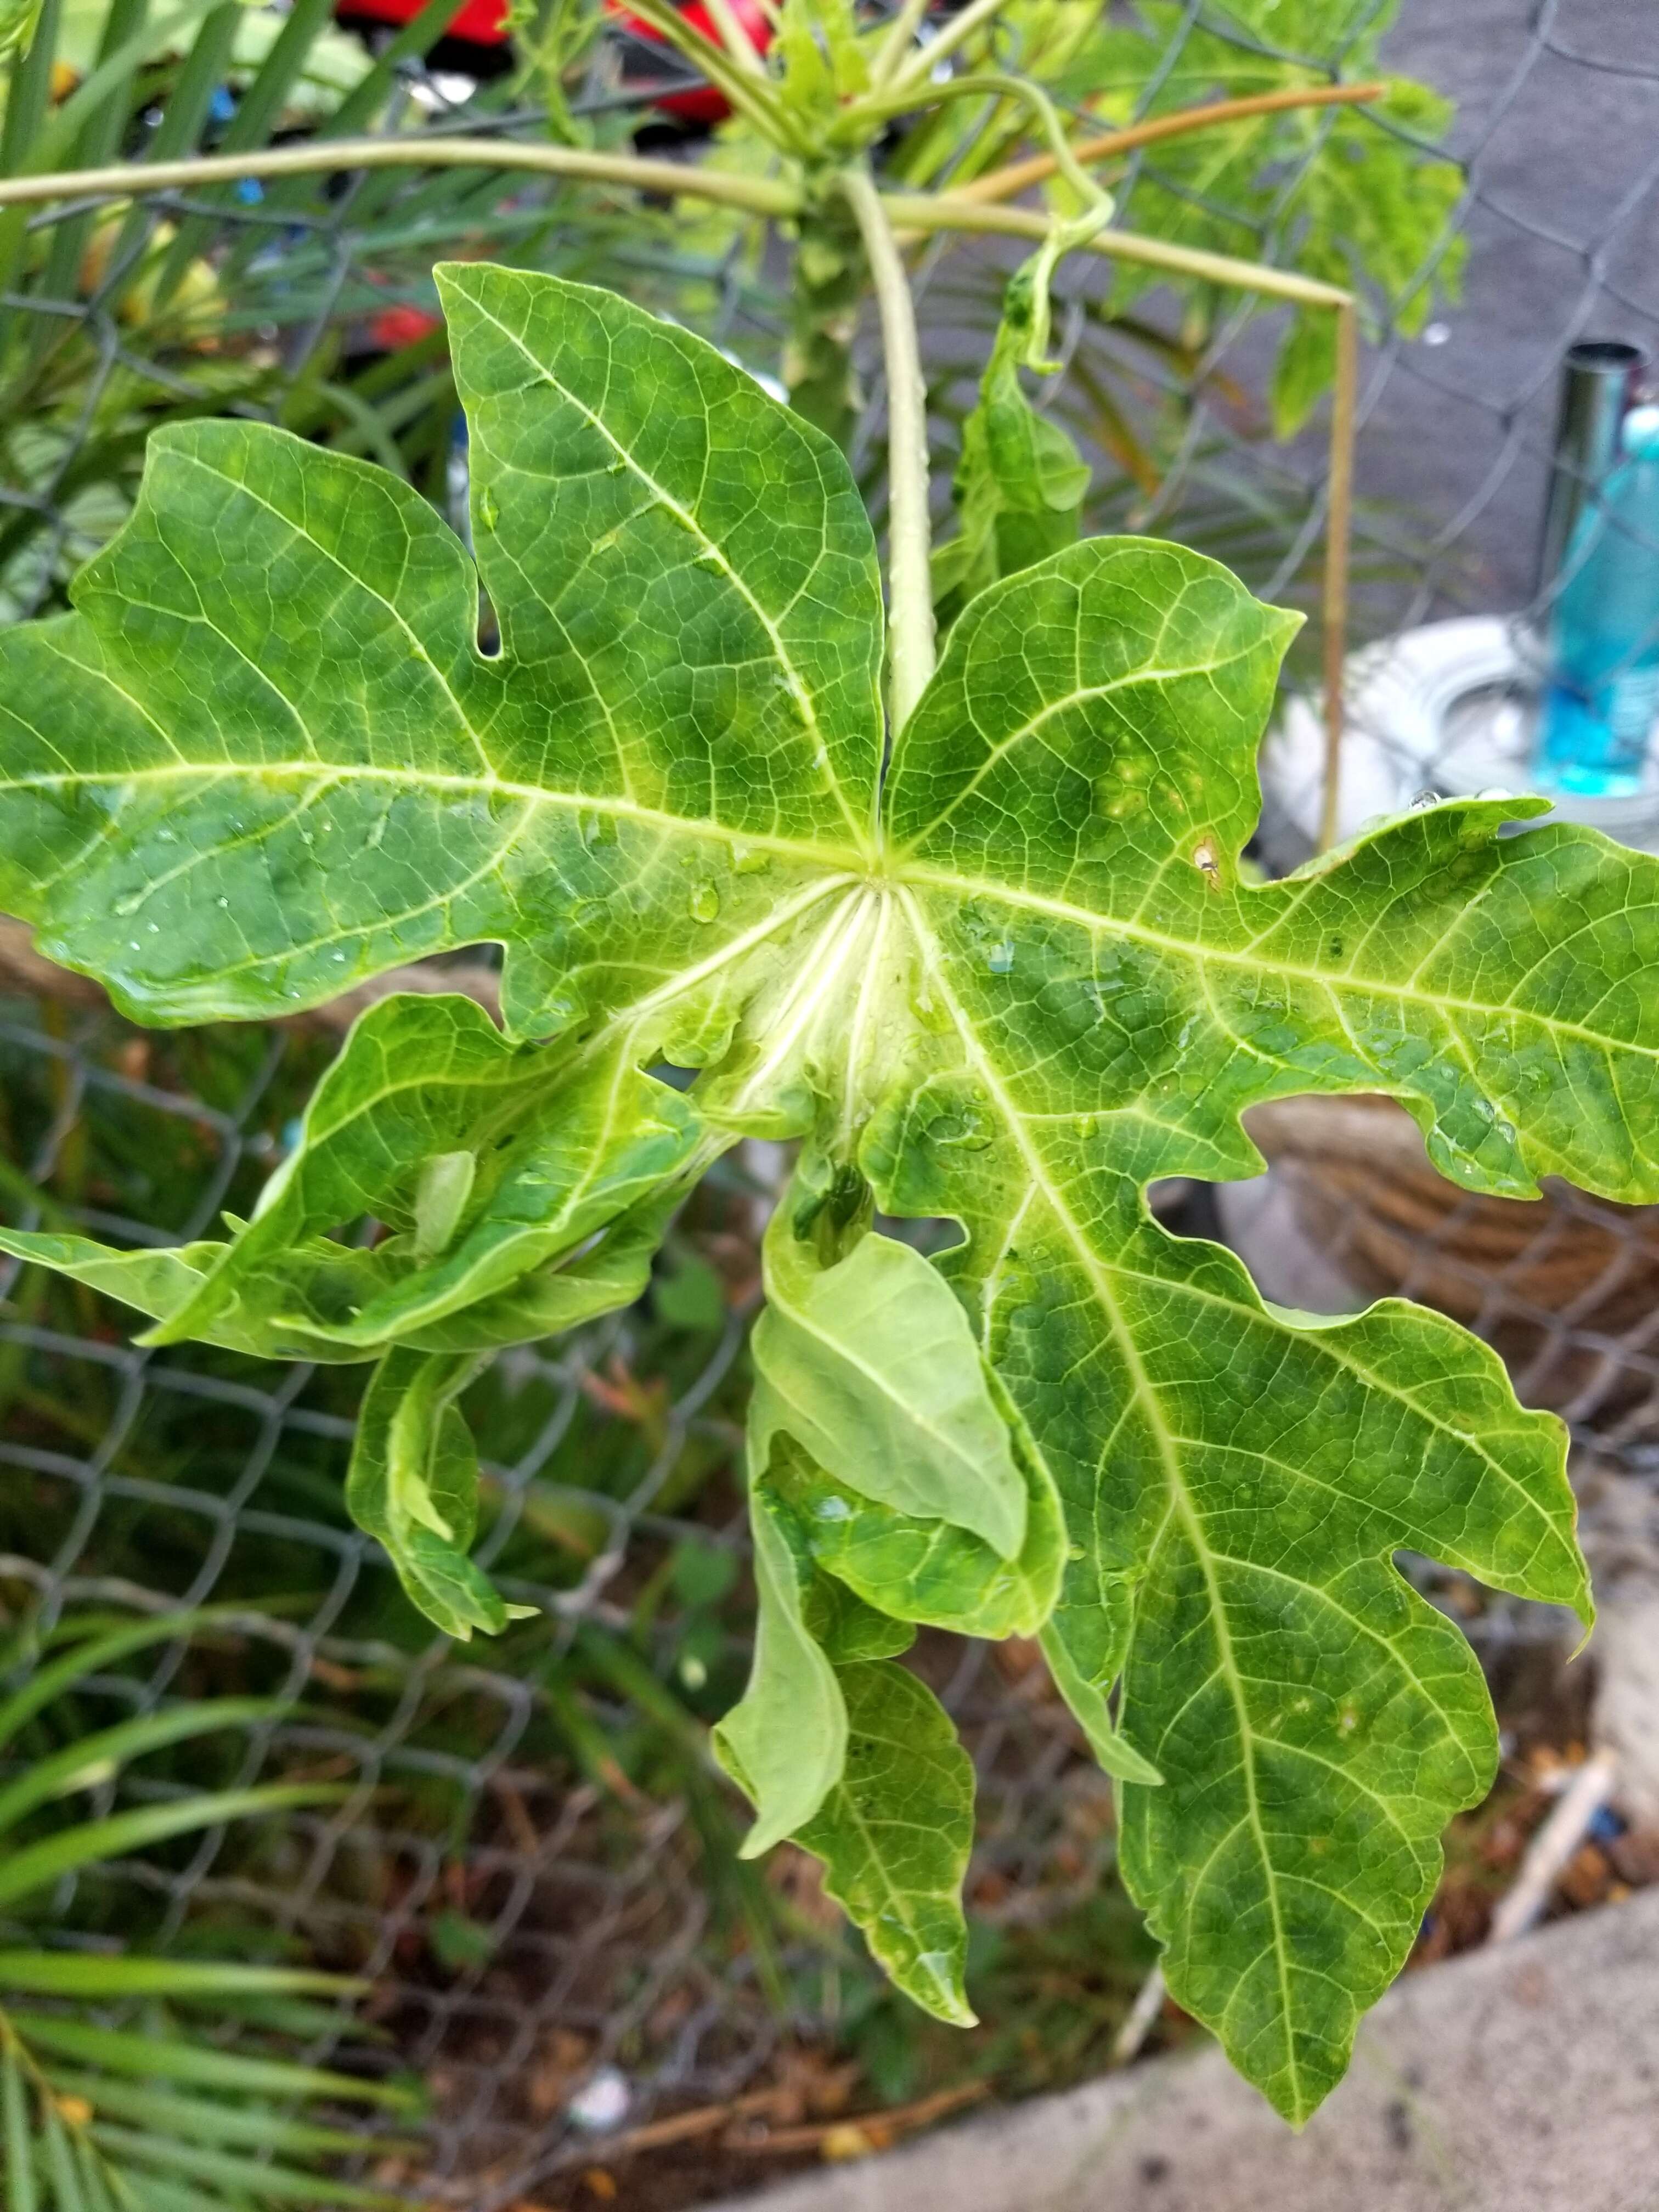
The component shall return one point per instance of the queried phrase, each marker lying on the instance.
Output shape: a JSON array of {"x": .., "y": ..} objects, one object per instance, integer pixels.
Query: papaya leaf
[
  {"x": 848, "y": 1628},
  {"x": 870, "y": 1364},
  {"x": 785, "y": 1742},
  {"x": 1020, "y": 483},
  {"x": 414, "y": 1483},
  {"x": 1091, "y": 1710},
  {"x": 534, "y": 1153},
  {"x": 294, "y": 766},
  {"x": 1008, "y": 982},
  {"x": 1356, "y": 196},
  {"x": 914, "y": 1568},
  {"x": 895, "y": 1832},
  {"x": 160, "y": 1282}
]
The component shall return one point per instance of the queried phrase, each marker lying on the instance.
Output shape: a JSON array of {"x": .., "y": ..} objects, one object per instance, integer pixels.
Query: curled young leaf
[
  {"x": 785, "y": 1741},
  {"x": 414, "y": 1483},
  {"x": 914, "y": 1568},
  {"x": 1020, "y": 482},
  {"x": 871, "y": 1366},
  {"x": 484, "y": 1159},
  {"x": 315, "y": 1279}
]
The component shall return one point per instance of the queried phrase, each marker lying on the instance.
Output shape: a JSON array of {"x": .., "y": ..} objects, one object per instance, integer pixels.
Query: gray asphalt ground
[{"x": 1522, "y": 2079}]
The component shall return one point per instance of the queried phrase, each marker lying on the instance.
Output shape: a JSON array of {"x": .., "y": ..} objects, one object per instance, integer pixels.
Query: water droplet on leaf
[
  {"x": 999, "y": 957},
  {"x": 705, "y": 901}
]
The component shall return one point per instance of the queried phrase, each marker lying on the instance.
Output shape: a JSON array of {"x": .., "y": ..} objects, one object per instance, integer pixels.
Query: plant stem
[
  {"x": 901, "y": 33},
  {"x": 739, "y": 48},
  {"x": 925, "y": 212},
  {"x": 996, "y": 85},
  {"x": 909, "y": 578},
  {"x": 1003, "y": 183},
  {"x": 750, "y": 90},
  {"x": 921, "y": 65},
  {"x": 129, "y": 179}
]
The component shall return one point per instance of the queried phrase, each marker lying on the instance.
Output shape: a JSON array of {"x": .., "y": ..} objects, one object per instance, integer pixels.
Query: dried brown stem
[{"x": 1003, "y": 183}]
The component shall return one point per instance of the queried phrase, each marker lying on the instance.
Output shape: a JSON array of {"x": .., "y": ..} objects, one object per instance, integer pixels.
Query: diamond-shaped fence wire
[{"x": 530, "y": 1859}]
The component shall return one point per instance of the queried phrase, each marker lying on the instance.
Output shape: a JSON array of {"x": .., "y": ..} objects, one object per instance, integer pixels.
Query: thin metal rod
[
  {"x": 127, "y": 179},
  {"x": 909, "y": 576},
  {"x": 1003, "y": 184},
  {"x": 1599, "y": 381},
  {"x": 1339, "y": 516}
]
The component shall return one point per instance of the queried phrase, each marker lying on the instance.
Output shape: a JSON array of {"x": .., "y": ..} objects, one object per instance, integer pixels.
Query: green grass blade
[
  {"x": 20, "y": 2193},
  {"x": 180, "y": 126},
  {"x": 257, "y": 114},
  {"x": 277, "y": 2184},
  {"x": 45, "y": 1862},
  {"x": 98, "y": 142},
  {"x": 67, "y": 2195},
  {"x": 122, "y": 2051},
  {"x": 87, "y": 2163},
  {"x": 82, "y": 1974},
  {"x": 210, "y": 2120},
  {"x": 90, "y": 1658},
  {"x": 28, "y": 94},
  {"x": 29, "y": 102},
  {"x": 94, "y": 1759}
]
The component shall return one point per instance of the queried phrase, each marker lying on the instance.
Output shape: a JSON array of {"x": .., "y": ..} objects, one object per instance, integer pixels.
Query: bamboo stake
[
  {"x": 924, "y": 211},
  {"x": 1339, "y": 519}
]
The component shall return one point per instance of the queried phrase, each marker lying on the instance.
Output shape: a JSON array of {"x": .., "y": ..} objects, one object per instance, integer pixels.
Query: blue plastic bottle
[{"x": 1603, "y": 695}]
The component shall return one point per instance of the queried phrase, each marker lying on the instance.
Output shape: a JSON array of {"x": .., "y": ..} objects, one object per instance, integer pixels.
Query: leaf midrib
[
  {"x": 1145, "y": 1392},
  {"x": 843, "y": 858},
  {"x": 1256, "y": 962}
]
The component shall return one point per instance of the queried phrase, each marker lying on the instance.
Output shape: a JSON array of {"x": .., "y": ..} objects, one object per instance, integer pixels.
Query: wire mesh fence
[{"x": 529, "y": 1858}]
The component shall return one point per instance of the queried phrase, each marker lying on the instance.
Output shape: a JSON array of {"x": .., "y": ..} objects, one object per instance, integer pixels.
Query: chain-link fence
[{"x": 530, "y": 1859}]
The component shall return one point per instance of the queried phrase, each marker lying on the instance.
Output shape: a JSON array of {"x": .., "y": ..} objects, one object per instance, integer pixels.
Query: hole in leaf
[{"x": 490, "y": 630}]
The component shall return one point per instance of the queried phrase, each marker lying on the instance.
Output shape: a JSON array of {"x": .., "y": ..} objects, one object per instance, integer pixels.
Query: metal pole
[{"x": 1598, "y": 382}]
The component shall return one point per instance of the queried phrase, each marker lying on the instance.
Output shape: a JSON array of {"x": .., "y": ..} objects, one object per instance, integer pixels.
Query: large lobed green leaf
[{"x": 1009, "y": 985}]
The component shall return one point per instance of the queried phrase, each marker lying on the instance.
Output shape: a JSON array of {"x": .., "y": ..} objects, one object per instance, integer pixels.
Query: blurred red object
[
  {"x": 482, "y": 21},
  {"x": 701, "y": 103},
  {"x": 396, "y": 327}
]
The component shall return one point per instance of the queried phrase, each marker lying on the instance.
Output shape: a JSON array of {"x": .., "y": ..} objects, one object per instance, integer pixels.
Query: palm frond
[{"x": 119, "y": 2089}]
